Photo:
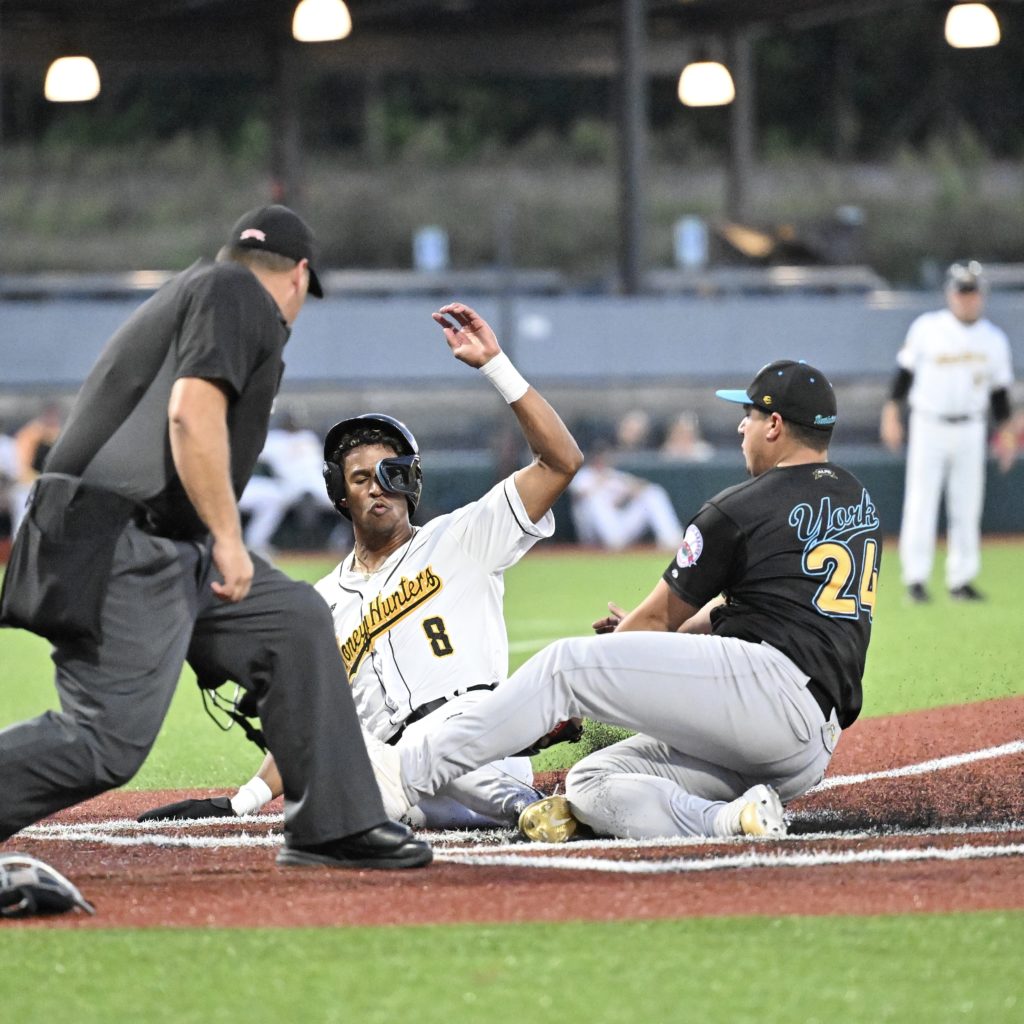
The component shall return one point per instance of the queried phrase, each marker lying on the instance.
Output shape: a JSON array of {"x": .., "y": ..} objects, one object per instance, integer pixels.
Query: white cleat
[
  {"x": 761, "y": 814},
  {"x": 548, "y": 820},
  {"x": 387, "y": 768},
  {"x": 758, "y": 812}
]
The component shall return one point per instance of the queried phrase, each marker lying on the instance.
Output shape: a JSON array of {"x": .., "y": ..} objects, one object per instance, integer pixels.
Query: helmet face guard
[
  {"x": 397, "y": 474},
  {"x": 401, "y": 474}
]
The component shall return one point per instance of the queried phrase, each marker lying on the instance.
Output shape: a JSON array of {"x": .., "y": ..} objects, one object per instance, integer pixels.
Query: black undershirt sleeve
[
  {"x": 1000, "y": 402},
  {"x": 901, "y": 385}
]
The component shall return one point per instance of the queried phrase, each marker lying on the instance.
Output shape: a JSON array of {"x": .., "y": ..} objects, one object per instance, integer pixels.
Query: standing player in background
[
  {"x": 418, "y": 610},
  {"x": 131, "y": 562},
  {"x": 954, "y": 367},
  {"x": 737, "y": 673}
]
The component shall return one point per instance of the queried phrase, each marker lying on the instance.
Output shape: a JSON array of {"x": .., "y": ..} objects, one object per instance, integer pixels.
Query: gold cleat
[{"x": 548, "y": 820}]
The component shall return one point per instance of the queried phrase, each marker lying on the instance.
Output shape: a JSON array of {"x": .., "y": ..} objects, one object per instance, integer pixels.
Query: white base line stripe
[
  {"x": 498, "y": 851},
  {"x": 743, "y": 860},
  {"x": 923, "y": 767},
  {"x": 490, "y": 841}
]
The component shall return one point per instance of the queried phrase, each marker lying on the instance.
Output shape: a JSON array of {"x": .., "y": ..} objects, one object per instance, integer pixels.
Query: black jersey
[
  {"x": 214, "y": 321},
  {"x": 795, "y": 551}
]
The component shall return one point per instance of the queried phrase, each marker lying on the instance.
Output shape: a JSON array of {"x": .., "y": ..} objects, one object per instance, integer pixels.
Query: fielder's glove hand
[
  {"x": 564, "y": 732},
  {"x": 186, "y": 810},
  {"x": 30, "y": 886}
]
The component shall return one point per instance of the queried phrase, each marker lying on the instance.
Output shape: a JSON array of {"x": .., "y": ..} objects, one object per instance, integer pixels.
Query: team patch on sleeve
[{"x": 689, "y": 551}]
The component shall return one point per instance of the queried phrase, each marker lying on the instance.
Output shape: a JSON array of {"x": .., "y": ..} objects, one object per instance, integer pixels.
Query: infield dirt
[{"x": 950, "y": 837}]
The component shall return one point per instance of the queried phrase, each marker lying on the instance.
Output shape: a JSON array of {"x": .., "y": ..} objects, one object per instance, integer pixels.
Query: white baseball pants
[
  {"x": 599, "y": 520},
  {"x": 951, "y": 457}
]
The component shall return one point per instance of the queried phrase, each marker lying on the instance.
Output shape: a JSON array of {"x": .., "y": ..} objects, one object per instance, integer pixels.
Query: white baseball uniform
[
  {"x": 955, "y": 367},
  {"x": 429, "y": 625},
  {"x": 295, "y": 458},
  {"x": 615, "y": 509}
]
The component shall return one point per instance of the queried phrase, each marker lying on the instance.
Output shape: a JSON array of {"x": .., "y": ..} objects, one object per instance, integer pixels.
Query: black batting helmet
[{"x": 399, "y": 475}]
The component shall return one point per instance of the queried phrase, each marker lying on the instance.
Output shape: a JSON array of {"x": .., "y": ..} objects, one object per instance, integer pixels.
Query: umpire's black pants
[{"x": 158, "y": 611}]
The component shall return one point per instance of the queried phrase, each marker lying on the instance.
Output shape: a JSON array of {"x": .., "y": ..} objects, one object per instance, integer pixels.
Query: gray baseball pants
[
  {"x": 713, "y": 716},
  {"x": 158, "y": 611}
]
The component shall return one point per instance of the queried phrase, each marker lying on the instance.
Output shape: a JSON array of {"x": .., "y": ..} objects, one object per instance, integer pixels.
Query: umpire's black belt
[
  {"x": 432, "y": 705},
  {"x": 821, "y": 695}
]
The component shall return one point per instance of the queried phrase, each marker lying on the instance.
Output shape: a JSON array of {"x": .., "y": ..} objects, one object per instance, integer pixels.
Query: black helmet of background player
[
  {"x": 966, "y": 277},
  {"x": 399, "y": 474},
  {"x": 797, "y": 391}
]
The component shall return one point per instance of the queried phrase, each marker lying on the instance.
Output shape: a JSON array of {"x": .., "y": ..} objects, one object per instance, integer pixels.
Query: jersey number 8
[{"x": 438, "y": 637}]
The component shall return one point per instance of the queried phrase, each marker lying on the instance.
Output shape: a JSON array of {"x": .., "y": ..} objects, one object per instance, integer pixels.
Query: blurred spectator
[
  {"x": 32, "y": 443},
  {"x": 633, "y": 433},
  {"x": 614, "y": 509},
  {"x": 683, "y": 442},
  {"x": 289, "y": 475},
  {"x": 8, "y": 474}
]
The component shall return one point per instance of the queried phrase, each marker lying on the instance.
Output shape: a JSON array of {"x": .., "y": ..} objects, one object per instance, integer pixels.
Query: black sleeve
[
  {"x": 901, "y": 385},
  {"x": 1000, "y": 401},
  {"x": 217, "y": 341},
  {"x": 707, "y": 560}
]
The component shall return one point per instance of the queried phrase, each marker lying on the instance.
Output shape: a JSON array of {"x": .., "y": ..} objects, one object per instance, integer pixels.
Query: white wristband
[
  {"x": 251, "y": 797},
  {"x": 507, "y": 380}
]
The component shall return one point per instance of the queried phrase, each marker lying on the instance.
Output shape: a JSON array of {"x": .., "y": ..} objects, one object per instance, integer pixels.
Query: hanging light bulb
[
  {"x": 321, "y": 21},
  {"x": 971, "y": 25},
  {"x": 72, "y": 80},
  {"x": 706, "y": 83}
]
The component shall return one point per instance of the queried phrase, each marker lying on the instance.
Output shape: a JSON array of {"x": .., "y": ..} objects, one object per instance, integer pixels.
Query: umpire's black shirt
[
  {"x": 214, "y": 321},
  {"x": 796, "y": 552}
]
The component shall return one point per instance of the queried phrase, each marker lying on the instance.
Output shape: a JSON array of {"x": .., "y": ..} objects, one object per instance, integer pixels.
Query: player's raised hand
[{"x": 468, "y": 334}]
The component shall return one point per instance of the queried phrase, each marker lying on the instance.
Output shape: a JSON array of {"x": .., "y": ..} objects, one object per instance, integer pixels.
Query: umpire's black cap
[
  {"x": 797, "y": 391},
  {"x": 278, "y": 229}
]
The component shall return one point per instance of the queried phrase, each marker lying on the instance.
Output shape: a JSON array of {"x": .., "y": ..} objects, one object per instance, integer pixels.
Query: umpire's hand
[{"x": 235, "y": 566}]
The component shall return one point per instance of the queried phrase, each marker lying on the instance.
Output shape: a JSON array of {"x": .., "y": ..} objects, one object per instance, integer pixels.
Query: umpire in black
[{"x": 131, "y": 561}]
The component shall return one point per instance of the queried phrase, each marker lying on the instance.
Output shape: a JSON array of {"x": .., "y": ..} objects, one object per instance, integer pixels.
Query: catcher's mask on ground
[
  {"x": 30, "y": 886},
  {"x": 400, "y": 474}
]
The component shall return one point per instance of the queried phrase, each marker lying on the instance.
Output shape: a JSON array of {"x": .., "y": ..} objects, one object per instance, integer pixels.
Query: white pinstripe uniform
[
  {"x": 428, "y": 625},
  {"x": 956, "y": 367}
]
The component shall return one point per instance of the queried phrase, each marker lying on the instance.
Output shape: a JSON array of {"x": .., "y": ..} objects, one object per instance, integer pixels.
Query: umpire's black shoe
[
  {"x": 390, "y": 845},
  {"x": 966, "y": 592},
  {"x": 917, "y": 593}
]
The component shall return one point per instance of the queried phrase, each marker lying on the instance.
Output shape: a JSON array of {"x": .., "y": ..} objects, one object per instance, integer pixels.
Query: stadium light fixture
[
  {"x": 706, "y": 83},
  {"x": 72, "y": 80},
  {"x": 969, "y": 26},
  {"x": 321, "y": 21}
]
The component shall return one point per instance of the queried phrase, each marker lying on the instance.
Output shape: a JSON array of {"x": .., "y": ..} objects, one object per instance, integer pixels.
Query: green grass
[
  {"x": 786, "y": 970},
  {"x": 920, "y": 657}
]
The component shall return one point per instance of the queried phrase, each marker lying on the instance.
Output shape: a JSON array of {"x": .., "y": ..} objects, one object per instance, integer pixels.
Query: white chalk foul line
[
  {"x": 498, "y": 852},
  {"x": 743, "y": 860},
  {"x": 923, "y": 767}
]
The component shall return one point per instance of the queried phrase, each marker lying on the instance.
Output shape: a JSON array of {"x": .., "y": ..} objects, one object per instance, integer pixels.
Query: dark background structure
[{"x": 849, "y": 78}]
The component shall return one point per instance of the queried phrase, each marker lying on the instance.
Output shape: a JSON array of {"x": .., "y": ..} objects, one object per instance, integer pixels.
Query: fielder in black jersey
[
  {"x": 736, "y": 674},
  {"x": 795, "y": 554}
]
